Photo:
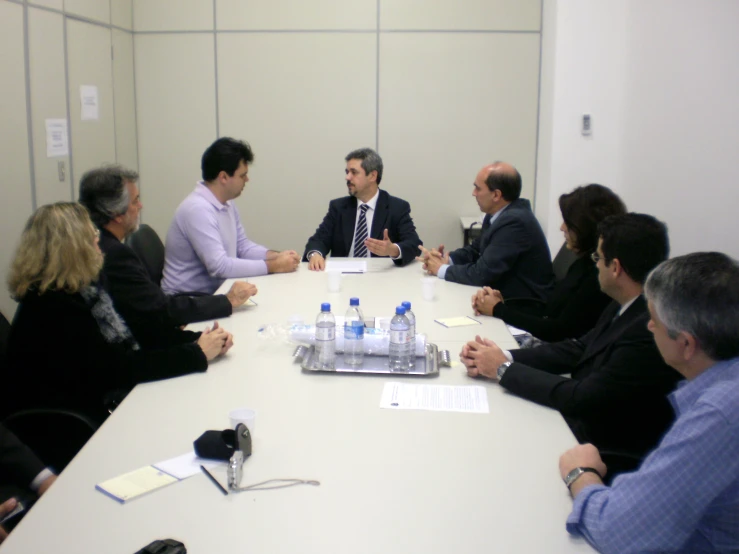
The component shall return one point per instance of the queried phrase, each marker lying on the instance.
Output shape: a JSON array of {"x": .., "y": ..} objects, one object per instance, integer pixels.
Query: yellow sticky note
[
  {"x": 135, "y": 483},
  {"x": 462, "y": 321}
]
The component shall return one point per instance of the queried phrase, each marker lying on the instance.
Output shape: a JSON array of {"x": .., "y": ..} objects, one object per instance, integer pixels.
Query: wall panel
[
  {"x": 14, "y": 155},
  {"x": 172, "y": 15},
  {"x": 175, "y": 99},
  {"x": 48, "y": 100},
  {"x": 126, "y": 146},
  {"x": 303, "y": 104},
  {"x": 98, "y": 10},
  {"x": 494, "y": 15},
  {"x": 89, "y": 62},
  {"x": 296, "y": 14},
  {"x": 442, "y": 117}
]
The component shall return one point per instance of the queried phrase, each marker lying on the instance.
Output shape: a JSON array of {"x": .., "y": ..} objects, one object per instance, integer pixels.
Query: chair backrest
[
  {"x": 4, "y": 334},
  {"x": 149, "y": 247},
  {"x": 55, "y": 436},
  {"x": 562, "y": 262}
]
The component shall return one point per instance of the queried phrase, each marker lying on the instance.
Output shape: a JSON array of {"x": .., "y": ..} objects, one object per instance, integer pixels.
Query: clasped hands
[
  {"x": 482, "y": 357},
  {"x": 384, "y": 248},
  {"x": 433, "y": 259},
  {"x": 485, "y": 300},
  {"x": 215, "y": 341},
  {"x": 282, "y": 262}
]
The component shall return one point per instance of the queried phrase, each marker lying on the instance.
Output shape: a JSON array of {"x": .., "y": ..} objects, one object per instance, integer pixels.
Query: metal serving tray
[{"x": 428, "y": 365}]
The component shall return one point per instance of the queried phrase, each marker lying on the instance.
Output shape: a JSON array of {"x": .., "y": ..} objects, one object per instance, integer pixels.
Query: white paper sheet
[
  {"x": 57, "y": 142},
  {"x": 89, "y": 103},
  {"x": 347, "y": 267},
  {"x": 185, "y": 466},
  {"x": 437, "y": 398},
  {"x": 516, "y": 332}
]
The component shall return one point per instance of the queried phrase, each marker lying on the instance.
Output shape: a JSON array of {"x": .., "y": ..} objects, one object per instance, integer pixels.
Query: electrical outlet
[{"x": 587, "y": 128}]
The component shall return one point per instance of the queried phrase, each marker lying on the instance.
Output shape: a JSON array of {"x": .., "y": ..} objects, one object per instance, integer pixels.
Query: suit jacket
[
  {"x": 617, "y": 396},
  {"x": 141, "y": 301},
  {"x": 573, "y": 308},
  {"x": 336, "y": 232},
  {"x": 58, "y": 358},
  {"x": 19, "y": 466},
  {"x": 511, "y": 255}
]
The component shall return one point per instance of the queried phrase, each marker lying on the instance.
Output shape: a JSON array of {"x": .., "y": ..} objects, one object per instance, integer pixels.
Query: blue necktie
[{"x": 360, "y": 235}]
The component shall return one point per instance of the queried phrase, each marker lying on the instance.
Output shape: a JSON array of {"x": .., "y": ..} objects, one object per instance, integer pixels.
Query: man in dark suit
[
  {"x": 511, "y": 254},
  {"x": 20, "y": 472},
  {"x": 111, "y": 196},
  {"x": 368, "y": 222},
  {"x": 616, "y": 397}
]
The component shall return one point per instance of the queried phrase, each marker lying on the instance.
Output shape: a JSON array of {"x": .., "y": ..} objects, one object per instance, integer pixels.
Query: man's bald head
[{"x": 504, "y": 177}]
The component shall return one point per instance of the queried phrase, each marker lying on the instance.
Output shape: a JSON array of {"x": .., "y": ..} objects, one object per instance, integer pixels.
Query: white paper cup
[
  {"x": 428, "y": 284},
  {"x": 334, "y": 280},
  {"x": 246, "y": 416}
]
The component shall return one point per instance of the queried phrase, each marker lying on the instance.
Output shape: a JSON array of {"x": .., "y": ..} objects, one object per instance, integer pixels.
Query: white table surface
[{"x": 391, "y": 481}]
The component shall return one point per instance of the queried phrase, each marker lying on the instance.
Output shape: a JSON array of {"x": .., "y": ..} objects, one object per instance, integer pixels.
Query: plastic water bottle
[
  {"x": 400, "y": 352},
  {"x": 326, "y": 338},
  {"x": 354, "y": 334},
  {"x": 411, "y": 333}
]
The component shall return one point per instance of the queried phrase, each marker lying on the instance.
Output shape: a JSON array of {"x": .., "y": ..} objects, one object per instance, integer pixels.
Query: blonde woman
[{"x": 68, "y": 347}]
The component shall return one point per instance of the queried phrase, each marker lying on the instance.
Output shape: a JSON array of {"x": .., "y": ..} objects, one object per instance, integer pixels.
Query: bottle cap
[
  {"x": 354, "y": 301},
  {"x": 400, "y": 310},
  {"x": 325, "y": 307},
  {"x": 406, "y": 305}
]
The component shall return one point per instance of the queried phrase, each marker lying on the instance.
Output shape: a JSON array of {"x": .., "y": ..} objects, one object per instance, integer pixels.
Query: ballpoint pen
[{"x": 215, "y": 481}]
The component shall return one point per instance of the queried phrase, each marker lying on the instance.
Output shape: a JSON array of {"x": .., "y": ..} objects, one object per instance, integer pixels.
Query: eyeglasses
[{"x": 594, "y": 256}]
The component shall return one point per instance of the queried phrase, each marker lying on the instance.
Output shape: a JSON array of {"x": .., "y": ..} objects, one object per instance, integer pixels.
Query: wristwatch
[
  {"x": 573, "y": 475},
  {"x": 502, "y": 368},
  {"x": 312, "y": 254}
]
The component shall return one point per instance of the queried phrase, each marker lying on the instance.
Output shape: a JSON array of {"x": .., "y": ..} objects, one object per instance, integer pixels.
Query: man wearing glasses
[{"x": 616, "y": 397}]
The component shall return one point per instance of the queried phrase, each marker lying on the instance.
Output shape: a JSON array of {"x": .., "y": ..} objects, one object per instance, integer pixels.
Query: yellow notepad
[
  {"x": 462, "y": 321},
  {"x": 134, "y": 484}
]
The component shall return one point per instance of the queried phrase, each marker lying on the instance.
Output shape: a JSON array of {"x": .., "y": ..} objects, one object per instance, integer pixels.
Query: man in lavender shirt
[{"x": 206, "y": 243}]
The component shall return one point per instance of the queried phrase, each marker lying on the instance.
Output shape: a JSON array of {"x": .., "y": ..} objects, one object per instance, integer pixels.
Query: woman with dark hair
[
  {"x": 68, "y": 347},
  {"x": 577, "y": 301}
]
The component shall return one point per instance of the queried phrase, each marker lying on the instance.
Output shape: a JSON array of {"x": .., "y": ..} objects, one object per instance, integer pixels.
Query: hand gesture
[{"x": 383, "y": 247}]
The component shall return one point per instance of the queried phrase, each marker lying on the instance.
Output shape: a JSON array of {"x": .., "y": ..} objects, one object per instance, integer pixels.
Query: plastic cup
[
  {"x": 428, "y": 284},
  {"x": 246, "y": 416},
  {"x": 334, "y": 280}
]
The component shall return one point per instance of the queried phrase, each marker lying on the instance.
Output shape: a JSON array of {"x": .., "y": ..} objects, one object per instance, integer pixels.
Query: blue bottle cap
[
  {"x": 400, "y": 310},
  {"x": 325, "y": 307},
  {"x": 406, "y": 305},
  {"x": 354, "y": 301}
]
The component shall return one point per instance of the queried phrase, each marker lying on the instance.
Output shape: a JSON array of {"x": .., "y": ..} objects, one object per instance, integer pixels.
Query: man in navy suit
[
  {"x": 511, "y": 254},
  {"x": 368, "y": 222}
]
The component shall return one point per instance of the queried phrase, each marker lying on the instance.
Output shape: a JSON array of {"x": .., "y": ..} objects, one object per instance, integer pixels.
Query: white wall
[
  {"x": 90, "y": 44},
  {"x": 440, "y": 88},
  {"x": 660, "y": 80}
]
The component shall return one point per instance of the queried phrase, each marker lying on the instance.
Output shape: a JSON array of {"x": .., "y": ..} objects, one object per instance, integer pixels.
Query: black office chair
[
  {"x": 54, "y": 435},
  {"x": 4, "y": 335},
  {"x": 149, "y": 247}
]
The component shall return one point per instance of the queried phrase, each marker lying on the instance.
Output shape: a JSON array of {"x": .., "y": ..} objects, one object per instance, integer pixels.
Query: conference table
[{"x": 391, "y": 481}]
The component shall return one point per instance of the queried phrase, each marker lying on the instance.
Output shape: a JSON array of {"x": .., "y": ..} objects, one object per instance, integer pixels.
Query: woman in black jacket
[
  {"x": 68, "y": 347},
  {"x": 577, "y": 301}
]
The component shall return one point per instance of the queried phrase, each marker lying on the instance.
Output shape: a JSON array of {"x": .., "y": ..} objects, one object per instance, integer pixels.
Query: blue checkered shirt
[{"x": 685, "y": 495}]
